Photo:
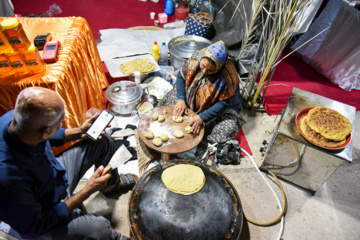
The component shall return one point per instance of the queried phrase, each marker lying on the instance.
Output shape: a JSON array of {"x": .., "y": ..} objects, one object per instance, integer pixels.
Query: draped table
[{"x": 78, "y": 75}]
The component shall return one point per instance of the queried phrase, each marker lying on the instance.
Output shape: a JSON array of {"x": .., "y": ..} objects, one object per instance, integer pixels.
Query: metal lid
[
  {"x": 123, "y": 92},
  {"x": 185, "y": 46}
]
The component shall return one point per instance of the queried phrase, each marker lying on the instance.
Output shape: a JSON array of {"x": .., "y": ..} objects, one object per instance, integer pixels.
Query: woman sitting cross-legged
[{"x": 208, "y": 84}]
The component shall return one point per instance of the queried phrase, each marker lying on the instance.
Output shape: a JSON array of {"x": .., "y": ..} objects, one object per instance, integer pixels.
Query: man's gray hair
[{"x": 29, "y": 116}]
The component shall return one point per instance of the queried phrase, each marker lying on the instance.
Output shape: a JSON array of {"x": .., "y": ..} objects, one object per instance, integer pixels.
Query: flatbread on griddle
[
  {"x": 329, "y": 123},
  {"x": 316, "y": 137},
  {"x": 184, "y": 179}
]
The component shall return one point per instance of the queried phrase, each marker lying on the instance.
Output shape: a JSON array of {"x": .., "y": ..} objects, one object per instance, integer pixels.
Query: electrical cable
[{"x": 281, "y": 209}]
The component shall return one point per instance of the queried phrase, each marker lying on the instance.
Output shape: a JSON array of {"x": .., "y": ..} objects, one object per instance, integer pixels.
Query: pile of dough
[
  {"x": 157, "y": 142},
  {"x": 149, "y": 135},
  {"x": 155, "y": 116},
  {"x": 183, "y": 179},
  {"x": 177, "y": 119},
  {"x": 188, "y": 129},
  {"x": 164, "y": 137},
  {"x": 161, "y": 118},
  {"x": 178, "y": 133}
]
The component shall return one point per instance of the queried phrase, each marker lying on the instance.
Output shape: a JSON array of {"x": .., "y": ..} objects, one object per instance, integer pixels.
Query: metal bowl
[{"x": 151, "y": 99}]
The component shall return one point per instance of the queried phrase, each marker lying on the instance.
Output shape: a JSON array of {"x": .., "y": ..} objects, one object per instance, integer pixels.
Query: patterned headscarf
[{"x": 203, "y": 91}]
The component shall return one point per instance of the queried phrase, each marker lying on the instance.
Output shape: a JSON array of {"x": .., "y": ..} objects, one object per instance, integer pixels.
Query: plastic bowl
[{"x": 144, "y": 108}]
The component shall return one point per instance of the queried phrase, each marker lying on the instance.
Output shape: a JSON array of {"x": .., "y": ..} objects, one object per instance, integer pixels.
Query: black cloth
[{"x": 228, "y": 153}]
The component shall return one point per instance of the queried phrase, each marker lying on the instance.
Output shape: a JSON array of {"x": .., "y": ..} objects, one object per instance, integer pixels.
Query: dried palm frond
[
  {"x": 236, "y": 11},
  {"x": 253, "y": 26},
  {"x": 281, "y": 23},
  {"x": 225, "y": 5}
]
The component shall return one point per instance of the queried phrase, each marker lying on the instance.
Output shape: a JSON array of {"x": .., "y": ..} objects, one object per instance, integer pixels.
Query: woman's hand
[
  {"x": 179, "y": 108},
  {"x": 196, "y": 124}
]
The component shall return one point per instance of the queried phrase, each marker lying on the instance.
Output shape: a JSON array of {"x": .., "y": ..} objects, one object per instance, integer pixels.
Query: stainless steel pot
[
  {"x": 123, "y": 97},
  {"x": 181, "y": 48}
]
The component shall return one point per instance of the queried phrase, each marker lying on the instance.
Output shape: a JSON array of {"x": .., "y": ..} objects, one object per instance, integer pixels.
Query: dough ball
[
  {"x": 188, "y": 129},
  {"x": 178, "y": 133},
  {"x": 157, "y": 142},
  {"x": 155, "y": 116},
  {"x": 164, "y": 137},
  {"x": 177, "y": 119},
  {"x": 161, "y": 118},
  {"x": 149, "y": 135}
]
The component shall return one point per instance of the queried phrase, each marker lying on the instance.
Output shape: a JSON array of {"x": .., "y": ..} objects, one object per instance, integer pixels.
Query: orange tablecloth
[{"x": 78, "y": 76}]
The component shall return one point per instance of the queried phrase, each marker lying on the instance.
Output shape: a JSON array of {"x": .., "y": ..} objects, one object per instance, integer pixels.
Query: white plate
[{"x": 114, "y": 65}]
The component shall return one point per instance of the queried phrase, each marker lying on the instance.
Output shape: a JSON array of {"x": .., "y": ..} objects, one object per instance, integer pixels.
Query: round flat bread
[
  {"x": 316, "y": 137},
  {"x": 143, "y": 65},
  {"x": 329, "y": 123},
  {"x": 184, "y": 179}
]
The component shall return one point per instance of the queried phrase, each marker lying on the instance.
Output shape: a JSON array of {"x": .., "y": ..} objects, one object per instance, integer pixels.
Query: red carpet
[
  {"x": 104, "y": 15},
  {"x": 293, "y": 72},
  {"x": 99, "y": 14},
  {"x": 240, "y": 137}
]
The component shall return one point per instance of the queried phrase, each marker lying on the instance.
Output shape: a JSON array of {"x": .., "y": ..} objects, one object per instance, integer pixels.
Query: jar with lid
[
  {"x": 4, "y": 44},
  {"x": 182, "y": 12},
  {"x": 33, "y": 60},
  {"x": 15, "y": 34},
  {"x": 5, "y": 68},
  {"x": 17, "y": 63}
]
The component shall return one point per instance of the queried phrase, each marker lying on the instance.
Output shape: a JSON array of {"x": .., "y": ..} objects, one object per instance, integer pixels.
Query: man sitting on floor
[{"x": 36, "y": 188}]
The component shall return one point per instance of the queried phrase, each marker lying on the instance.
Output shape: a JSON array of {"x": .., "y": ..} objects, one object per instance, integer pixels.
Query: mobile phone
[
  {"x": 99, "y": 125},
  {"x": 50, "y": 51}
]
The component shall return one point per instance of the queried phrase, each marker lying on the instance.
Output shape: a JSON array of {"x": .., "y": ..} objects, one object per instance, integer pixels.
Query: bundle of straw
[
  {"x": 285, "y": 23},
  {"x": 278, "y": 23}
]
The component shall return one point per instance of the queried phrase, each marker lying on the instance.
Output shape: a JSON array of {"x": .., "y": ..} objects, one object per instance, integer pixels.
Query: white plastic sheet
[
  {"x": 335, "y": 53},
  {"x": 306, "y": 18},
  {"x": 117, "y": 43}
]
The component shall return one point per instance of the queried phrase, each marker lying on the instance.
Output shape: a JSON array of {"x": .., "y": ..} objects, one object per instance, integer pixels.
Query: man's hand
[
  {"x": 87, "y": 124},
  {"x": 179, "y": 108},
  {"x": 77, "y": 133},
  {"x": 97, "y": 182},
  {"x": 196, "y": 124}
]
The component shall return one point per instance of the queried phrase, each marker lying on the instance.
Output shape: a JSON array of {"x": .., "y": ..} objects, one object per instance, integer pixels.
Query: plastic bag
[
  {"x": 53, "y": 10},
  {"x": 92, "y": 111}
]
